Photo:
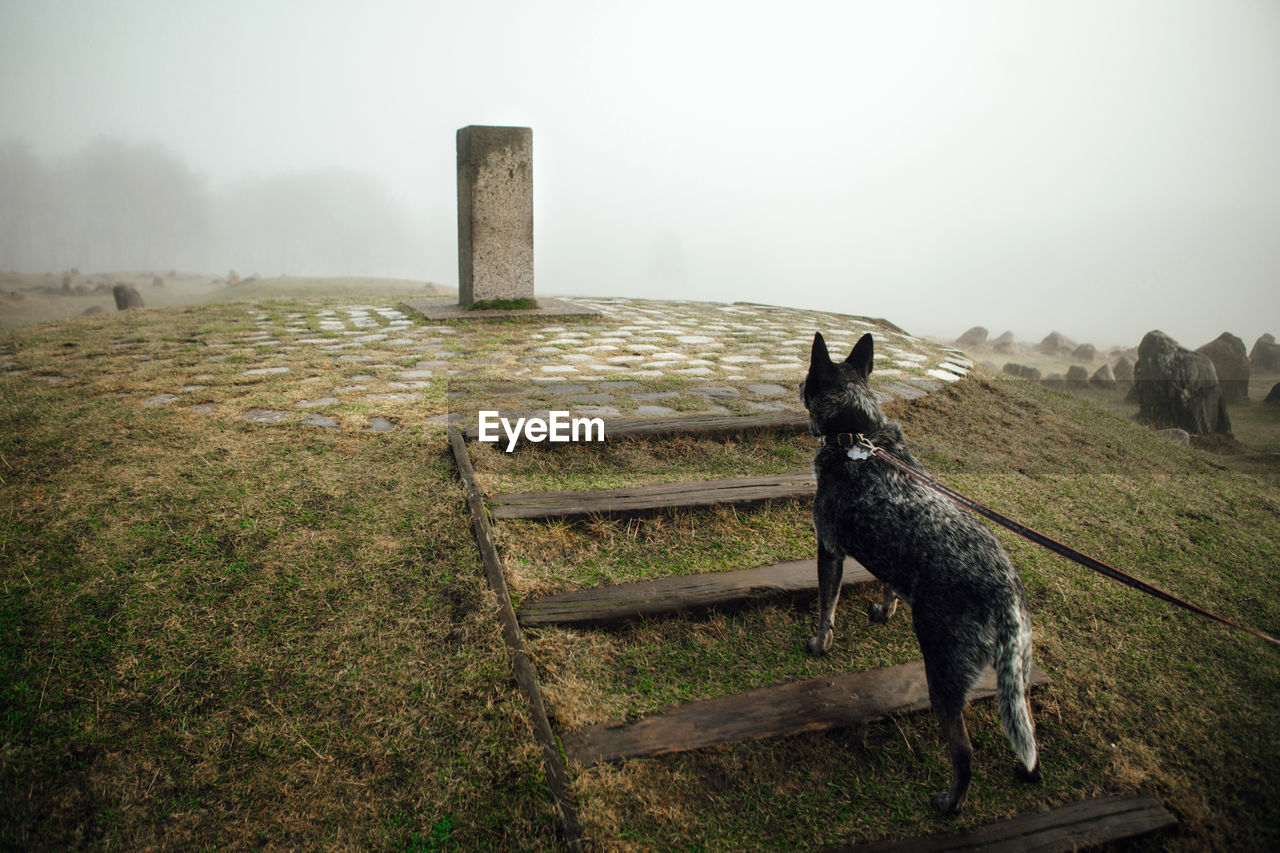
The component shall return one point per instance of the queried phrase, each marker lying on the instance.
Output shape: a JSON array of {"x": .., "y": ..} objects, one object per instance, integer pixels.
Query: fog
[{"x": 1098, "y": 168}]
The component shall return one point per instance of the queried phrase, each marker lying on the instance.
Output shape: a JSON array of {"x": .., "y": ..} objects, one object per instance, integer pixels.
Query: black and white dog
[{"x": 968, "y": 606}]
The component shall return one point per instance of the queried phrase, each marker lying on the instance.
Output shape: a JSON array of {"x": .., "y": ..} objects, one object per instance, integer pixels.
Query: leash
[{"x": 1040, "y": 539}]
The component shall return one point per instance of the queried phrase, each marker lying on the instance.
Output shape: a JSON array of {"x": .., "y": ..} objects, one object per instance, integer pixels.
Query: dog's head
[{"x": 837, "y": 394}]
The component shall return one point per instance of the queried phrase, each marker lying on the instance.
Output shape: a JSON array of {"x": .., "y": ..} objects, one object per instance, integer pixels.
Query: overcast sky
[{"x": 1100, "y": 168}]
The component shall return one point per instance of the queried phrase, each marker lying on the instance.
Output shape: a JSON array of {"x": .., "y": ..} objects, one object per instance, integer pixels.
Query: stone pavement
[{"x": 374, "y": 368}]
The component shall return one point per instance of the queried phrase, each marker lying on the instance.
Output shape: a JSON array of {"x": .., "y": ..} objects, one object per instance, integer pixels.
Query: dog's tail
[{"x": 1013, "y": 673}]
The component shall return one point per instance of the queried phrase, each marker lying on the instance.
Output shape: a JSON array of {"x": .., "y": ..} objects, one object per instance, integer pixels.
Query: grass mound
[{"x": 214, "y": 634}]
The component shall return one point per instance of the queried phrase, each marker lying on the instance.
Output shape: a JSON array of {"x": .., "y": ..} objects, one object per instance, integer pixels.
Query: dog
[{"x": 968, "y": 605}]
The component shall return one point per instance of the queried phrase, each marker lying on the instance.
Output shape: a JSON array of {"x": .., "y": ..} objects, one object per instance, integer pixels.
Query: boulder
[
  {"x": 1123, "y": 370},
  {"x": 1056, "y": 343},
  {"x": 1178, "y": 388},
  {"x": 1084, "y": 352},
  {"x": 1004, "y": 343},
  {"x": 1265, "y": 354},
  {"x": 1022, "y": 371},
  {"x": 975, "y": 337},
  {"x": 1103, "y": 378},
  {"x": 1231, "y": 364},
  {"x": 1077, "y": 376},
  {"x": 127, "y": 296},
  {"x": 1056, "y": 381},
  {"x": 1273, "y": 396}
]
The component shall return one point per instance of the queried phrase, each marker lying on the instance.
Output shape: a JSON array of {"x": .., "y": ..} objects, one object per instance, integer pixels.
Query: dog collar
[{"x": 858, "y": 446}]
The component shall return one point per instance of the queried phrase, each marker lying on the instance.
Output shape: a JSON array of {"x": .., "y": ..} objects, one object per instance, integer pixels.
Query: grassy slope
[
  {"x": 1144, "y": 698},
  {"x": 219, "y": 635},
  {"x": 223, "y": 635}
]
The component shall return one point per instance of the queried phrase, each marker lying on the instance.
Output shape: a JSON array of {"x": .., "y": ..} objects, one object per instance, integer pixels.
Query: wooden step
[
  {"x": 1086, "y": 824},
  {"x": 788, "y": 709},
  {"x": 682, "y": 593},
  {"x": 734, "y": 491},
  {"x": 687, "y": 425}
]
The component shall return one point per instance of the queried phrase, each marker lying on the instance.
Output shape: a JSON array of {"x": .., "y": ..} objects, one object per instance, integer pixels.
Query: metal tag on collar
[{"x": 863, "y": 449}]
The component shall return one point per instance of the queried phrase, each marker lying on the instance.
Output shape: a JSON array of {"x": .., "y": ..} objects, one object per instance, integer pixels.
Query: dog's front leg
[
  {"x": 883, "y": 612},
  {"x": 830, "y": 574}
]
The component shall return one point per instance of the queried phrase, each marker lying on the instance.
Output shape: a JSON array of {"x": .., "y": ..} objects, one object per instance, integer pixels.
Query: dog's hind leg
[
  {"x": 951, "y": 802},
  {"x": 830, "y": 574},
  {"x": 947, "y": 696},
  {"x": 883, "y": 612}
]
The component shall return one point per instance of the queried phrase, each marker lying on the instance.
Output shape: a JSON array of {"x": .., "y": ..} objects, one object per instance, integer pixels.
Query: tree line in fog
[{"x": 117, "y": 206}]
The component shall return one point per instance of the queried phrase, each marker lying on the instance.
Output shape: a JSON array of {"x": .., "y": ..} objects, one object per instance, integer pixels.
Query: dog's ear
[
  {"x": 862, "y": 356},
  {"x": 819, "y": 358}
]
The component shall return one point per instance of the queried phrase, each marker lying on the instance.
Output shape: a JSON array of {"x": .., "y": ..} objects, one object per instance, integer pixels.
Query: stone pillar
[{"x": 495, "y": 214}]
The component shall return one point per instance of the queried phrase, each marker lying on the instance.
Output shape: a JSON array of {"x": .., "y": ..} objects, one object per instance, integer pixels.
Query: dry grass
[
  {"x": 219, "y": 635},
  {"x": 1144, "y": 698}
]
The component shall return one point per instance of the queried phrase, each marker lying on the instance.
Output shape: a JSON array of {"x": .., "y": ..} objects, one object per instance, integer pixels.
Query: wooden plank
[
  {"x": 687, "y": 425},
  {"x": 735, "y": 491},
  {"x": 1072, "y": 827},
  {"x": 682, "y": 593},
  {"x": 522, "y": 666},
  {"x": 788, "y": 709}
]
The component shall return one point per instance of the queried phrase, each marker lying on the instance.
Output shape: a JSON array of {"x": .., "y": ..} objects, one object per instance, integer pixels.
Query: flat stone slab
[
  {"x": 379, "y": 425},
  {"x": 766, "y": 389},
  {"x": 717, "y": 392},
  {"x": 448, "y": 308},
  {"x": 269, "y": 417},
  {"x": 319, "y": 421},
  {"x": 397, "y": 397}
]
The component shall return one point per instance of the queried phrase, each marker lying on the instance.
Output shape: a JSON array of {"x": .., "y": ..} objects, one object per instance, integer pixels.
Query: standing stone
[
  {"x": 1103, "y": 378},
  {"x": 1123, "y": 370},
  {"x": 127, "y": 296},
  {"x": 1176, "y": 387},
  {"x": 1022, "y": 371},
  {"x": 1265, "y": 354},
  {"x": 1056, "y": 343},
  {"x": 1004, "y": 343},
  {"x": 495, "y": 213},
  {"x": 1231, "y": 364},
  {"x": 1084, "y": 352},
  {"x": 975, "y": 337},
  {"x": 1077, "y": 375}
]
